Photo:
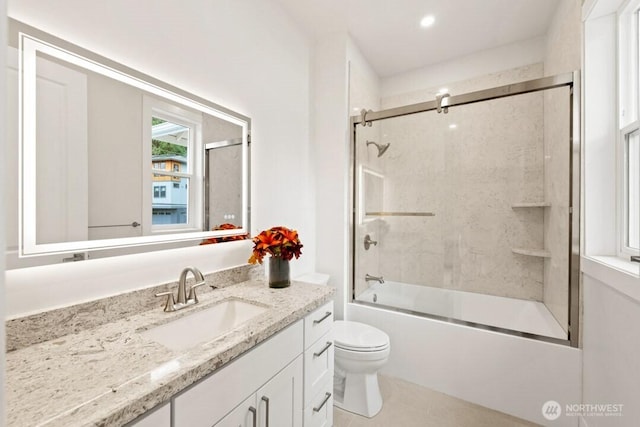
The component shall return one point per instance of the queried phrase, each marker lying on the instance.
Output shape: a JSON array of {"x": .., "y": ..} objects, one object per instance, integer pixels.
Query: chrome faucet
[
  {"x": 369, "y": 278},
  {"x": 184, "y": 301}
]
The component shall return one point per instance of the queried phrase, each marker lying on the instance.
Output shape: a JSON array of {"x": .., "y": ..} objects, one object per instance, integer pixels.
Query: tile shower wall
[
  {"x": 468, "y": 177},
  {"x": 562, "y": 56},
  {"x": 364, "y": 94}
]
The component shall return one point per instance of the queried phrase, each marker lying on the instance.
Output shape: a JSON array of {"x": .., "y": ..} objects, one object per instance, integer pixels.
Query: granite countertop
[{"x": 111, "y": 374}]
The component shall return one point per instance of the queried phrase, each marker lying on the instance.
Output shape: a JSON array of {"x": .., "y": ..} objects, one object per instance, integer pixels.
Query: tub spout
[{"x": 369, "y": 278}]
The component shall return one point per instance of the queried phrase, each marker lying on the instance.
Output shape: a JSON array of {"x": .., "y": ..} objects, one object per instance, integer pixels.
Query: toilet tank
[{"x": 314, "y": 278}]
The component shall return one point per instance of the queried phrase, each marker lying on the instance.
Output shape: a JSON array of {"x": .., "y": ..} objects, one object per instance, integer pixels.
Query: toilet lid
[{"x": 358, "y": 336}]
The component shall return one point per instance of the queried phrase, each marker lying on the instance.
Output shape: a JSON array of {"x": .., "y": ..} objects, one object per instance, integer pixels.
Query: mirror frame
[{"x": 29, "y": 41}]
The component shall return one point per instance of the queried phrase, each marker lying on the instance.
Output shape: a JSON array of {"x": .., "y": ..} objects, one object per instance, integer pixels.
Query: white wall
[
  {"x": 611, "y": 346},
  {"x": 247, "y": 56},
  {"x": 335, "y": 58},
  {"x": 331, "y": 156},
  {"x": 477, "y": 64},
  {"x": 611, "y": 286},
  {"x": 3, "y": 79}
]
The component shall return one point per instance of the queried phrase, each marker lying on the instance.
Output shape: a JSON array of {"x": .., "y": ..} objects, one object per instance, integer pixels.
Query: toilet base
[{"x": 361, "y": 395}]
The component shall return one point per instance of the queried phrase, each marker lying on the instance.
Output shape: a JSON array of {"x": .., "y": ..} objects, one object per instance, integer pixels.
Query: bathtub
[
  {"x": 506, "y": 372},
  {"x": 509, "y": 314}
]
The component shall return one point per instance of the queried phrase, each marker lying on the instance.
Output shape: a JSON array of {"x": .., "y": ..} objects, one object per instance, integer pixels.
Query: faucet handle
[
  {"x": 192, "y": 291},
  {"x": 171, "y": 302}
]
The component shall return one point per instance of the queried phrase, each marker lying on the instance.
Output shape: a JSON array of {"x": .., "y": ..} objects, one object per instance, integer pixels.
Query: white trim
[
  {"x": 628, "y": 121},
  {"x": 614, "y": 272},
  {"x": 28, "y": 247},
  {"x": 624, "y": 250}
]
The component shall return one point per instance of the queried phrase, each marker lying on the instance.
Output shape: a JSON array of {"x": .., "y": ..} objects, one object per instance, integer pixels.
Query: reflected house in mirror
[
  {"x": 169, "y": 192},
  {"x": 169, "y": 148},
  {"x": 115, "y": 161}
]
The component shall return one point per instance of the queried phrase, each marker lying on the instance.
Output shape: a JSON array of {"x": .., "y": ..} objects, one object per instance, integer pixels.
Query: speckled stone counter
[{"x": 110, "y": 374}]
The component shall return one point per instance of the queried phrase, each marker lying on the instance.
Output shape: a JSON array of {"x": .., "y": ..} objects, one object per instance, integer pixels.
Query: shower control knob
[{"x": 368, "y": 242}]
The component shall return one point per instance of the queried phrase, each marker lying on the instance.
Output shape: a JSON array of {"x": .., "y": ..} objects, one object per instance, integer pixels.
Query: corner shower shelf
[
  {"x": 531, "y": 205},
  {"x": 532, "y": 252}
]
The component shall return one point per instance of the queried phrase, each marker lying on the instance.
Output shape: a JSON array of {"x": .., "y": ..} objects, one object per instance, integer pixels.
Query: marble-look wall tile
[
  {"x": 469, "y": 177},
  {"x": 563, "y": 55},
  {"x": 557, "y": 158},
  {"x": 363, "y": 94}
]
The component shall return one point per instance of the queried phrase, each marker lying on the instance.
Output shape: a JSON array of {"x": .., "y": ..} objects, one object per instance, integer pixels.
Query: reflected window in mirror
[
  {"x": 174, "y": 144},
  {"x": 170, "y": 144}
]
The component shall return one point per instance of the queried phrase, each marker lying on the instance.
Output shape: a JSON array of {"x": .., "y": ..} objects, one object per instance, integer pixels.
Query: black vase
[{"x": 278, "y": 272}]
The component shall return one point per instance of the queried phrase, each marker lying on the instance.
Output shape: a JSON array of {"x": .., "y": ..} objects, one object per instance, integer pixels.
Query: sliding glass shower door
[{"x": 462, "y": 211}]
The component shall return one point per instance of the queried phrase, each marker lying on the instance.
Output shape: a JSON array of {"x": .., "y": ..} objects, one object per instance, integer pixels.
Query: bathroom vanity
[{"x": 274, "y": 369}]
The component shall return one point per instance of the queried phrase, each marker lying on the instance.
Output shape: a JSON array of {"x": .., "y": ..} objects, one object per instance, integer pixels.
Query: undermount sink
[{"x": 204, "y": 325}]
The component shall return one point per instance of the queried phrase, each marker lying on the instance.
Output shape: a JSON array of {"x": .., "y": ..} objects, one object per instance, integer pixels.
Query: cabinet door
[
  {"x": 280, "y": 400},
  {"x": 245, "y": 415}
]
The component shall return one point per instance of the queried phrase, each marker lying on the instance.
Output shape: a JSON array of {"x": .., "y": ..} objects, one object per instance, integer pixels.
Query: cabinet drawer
[
  {"x": 318, "y": 366},
  {"x": 320, "y": 412},
  {"x": 318, "y": 323}
]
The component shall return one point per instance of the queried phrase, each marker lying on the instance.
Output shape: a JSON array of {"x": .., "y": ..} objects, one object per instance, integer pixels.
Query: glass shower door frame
[{"x": 568, "y": 80}]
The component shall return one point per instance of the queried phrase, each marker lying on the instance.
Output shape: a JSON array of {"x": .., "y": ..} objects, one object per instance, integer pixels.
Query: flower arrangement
[
  {"x": 220, "y": 239},
  {"x": 279, "y": 242}
]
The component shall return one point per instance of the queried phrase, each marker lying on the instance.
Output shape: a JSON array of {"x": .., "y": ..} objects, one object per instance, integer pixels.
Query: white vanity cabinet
[
  {"x": 286, "y": 381},
  {"x": 277, "y": 403},
  {"x": 210, "y": 400},
  {"x": 318, "y": 367}
]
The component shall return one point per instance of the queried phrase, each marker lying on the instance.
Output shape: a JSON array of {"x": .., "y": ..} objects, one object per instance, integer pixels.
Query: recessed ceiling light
[
  {"x": 427, "y": 21},
  {"x": 453, "y": 126}
]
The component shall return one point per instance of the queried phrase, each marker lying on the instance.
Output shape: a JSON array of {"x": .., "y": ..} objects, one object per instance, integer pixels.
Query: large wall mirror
[{"x": 104, "y": 159}]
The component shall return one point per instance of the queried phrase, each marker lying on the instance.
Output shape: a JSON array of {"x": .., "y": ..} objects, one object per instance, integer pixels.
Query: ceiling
[{"x": 389, "y": 35}]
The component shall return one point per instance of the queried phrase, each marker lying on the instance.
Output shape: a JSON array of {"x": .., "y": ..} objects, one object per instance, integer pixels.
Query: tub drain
[{"x": 375, "y": 297}]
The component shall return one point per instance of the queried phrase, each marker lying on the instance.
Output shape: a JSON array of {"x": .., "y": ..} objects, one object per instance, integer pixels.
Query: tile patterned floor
[{"x": 410, "y": 405}]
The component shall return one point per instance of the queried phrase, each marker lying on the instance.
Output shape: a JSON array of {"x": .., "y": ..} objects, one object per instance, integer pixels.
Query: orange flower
[
  {"x": 220, "y": 239},
  {"x": 278, "y": 242}
]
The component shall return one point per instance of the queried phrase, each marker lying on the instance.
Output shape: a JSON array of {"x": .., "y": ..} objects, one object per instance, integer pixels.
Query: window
[
  {"x": 629, "y": 125},
  {"x": 174, "y": 158},
  {"x": 159, "y": 192},
  {"x": 170, "y": 145}
]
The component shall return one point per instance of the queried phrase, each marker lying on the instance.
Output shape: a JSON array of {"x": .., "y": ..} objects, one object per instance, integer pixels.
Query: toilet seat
[{"x": 356, "y": 336}]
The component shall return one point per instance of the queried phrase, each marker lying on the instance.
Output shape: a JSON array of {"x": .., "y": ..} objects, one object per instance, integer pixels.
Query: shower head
[{"x": 381, "y": 147}]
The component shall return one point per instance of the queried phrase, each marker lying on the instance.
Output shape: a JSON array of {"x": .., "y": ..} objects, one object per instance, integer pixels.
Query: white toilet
[{"x": 360, "y": 351}]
